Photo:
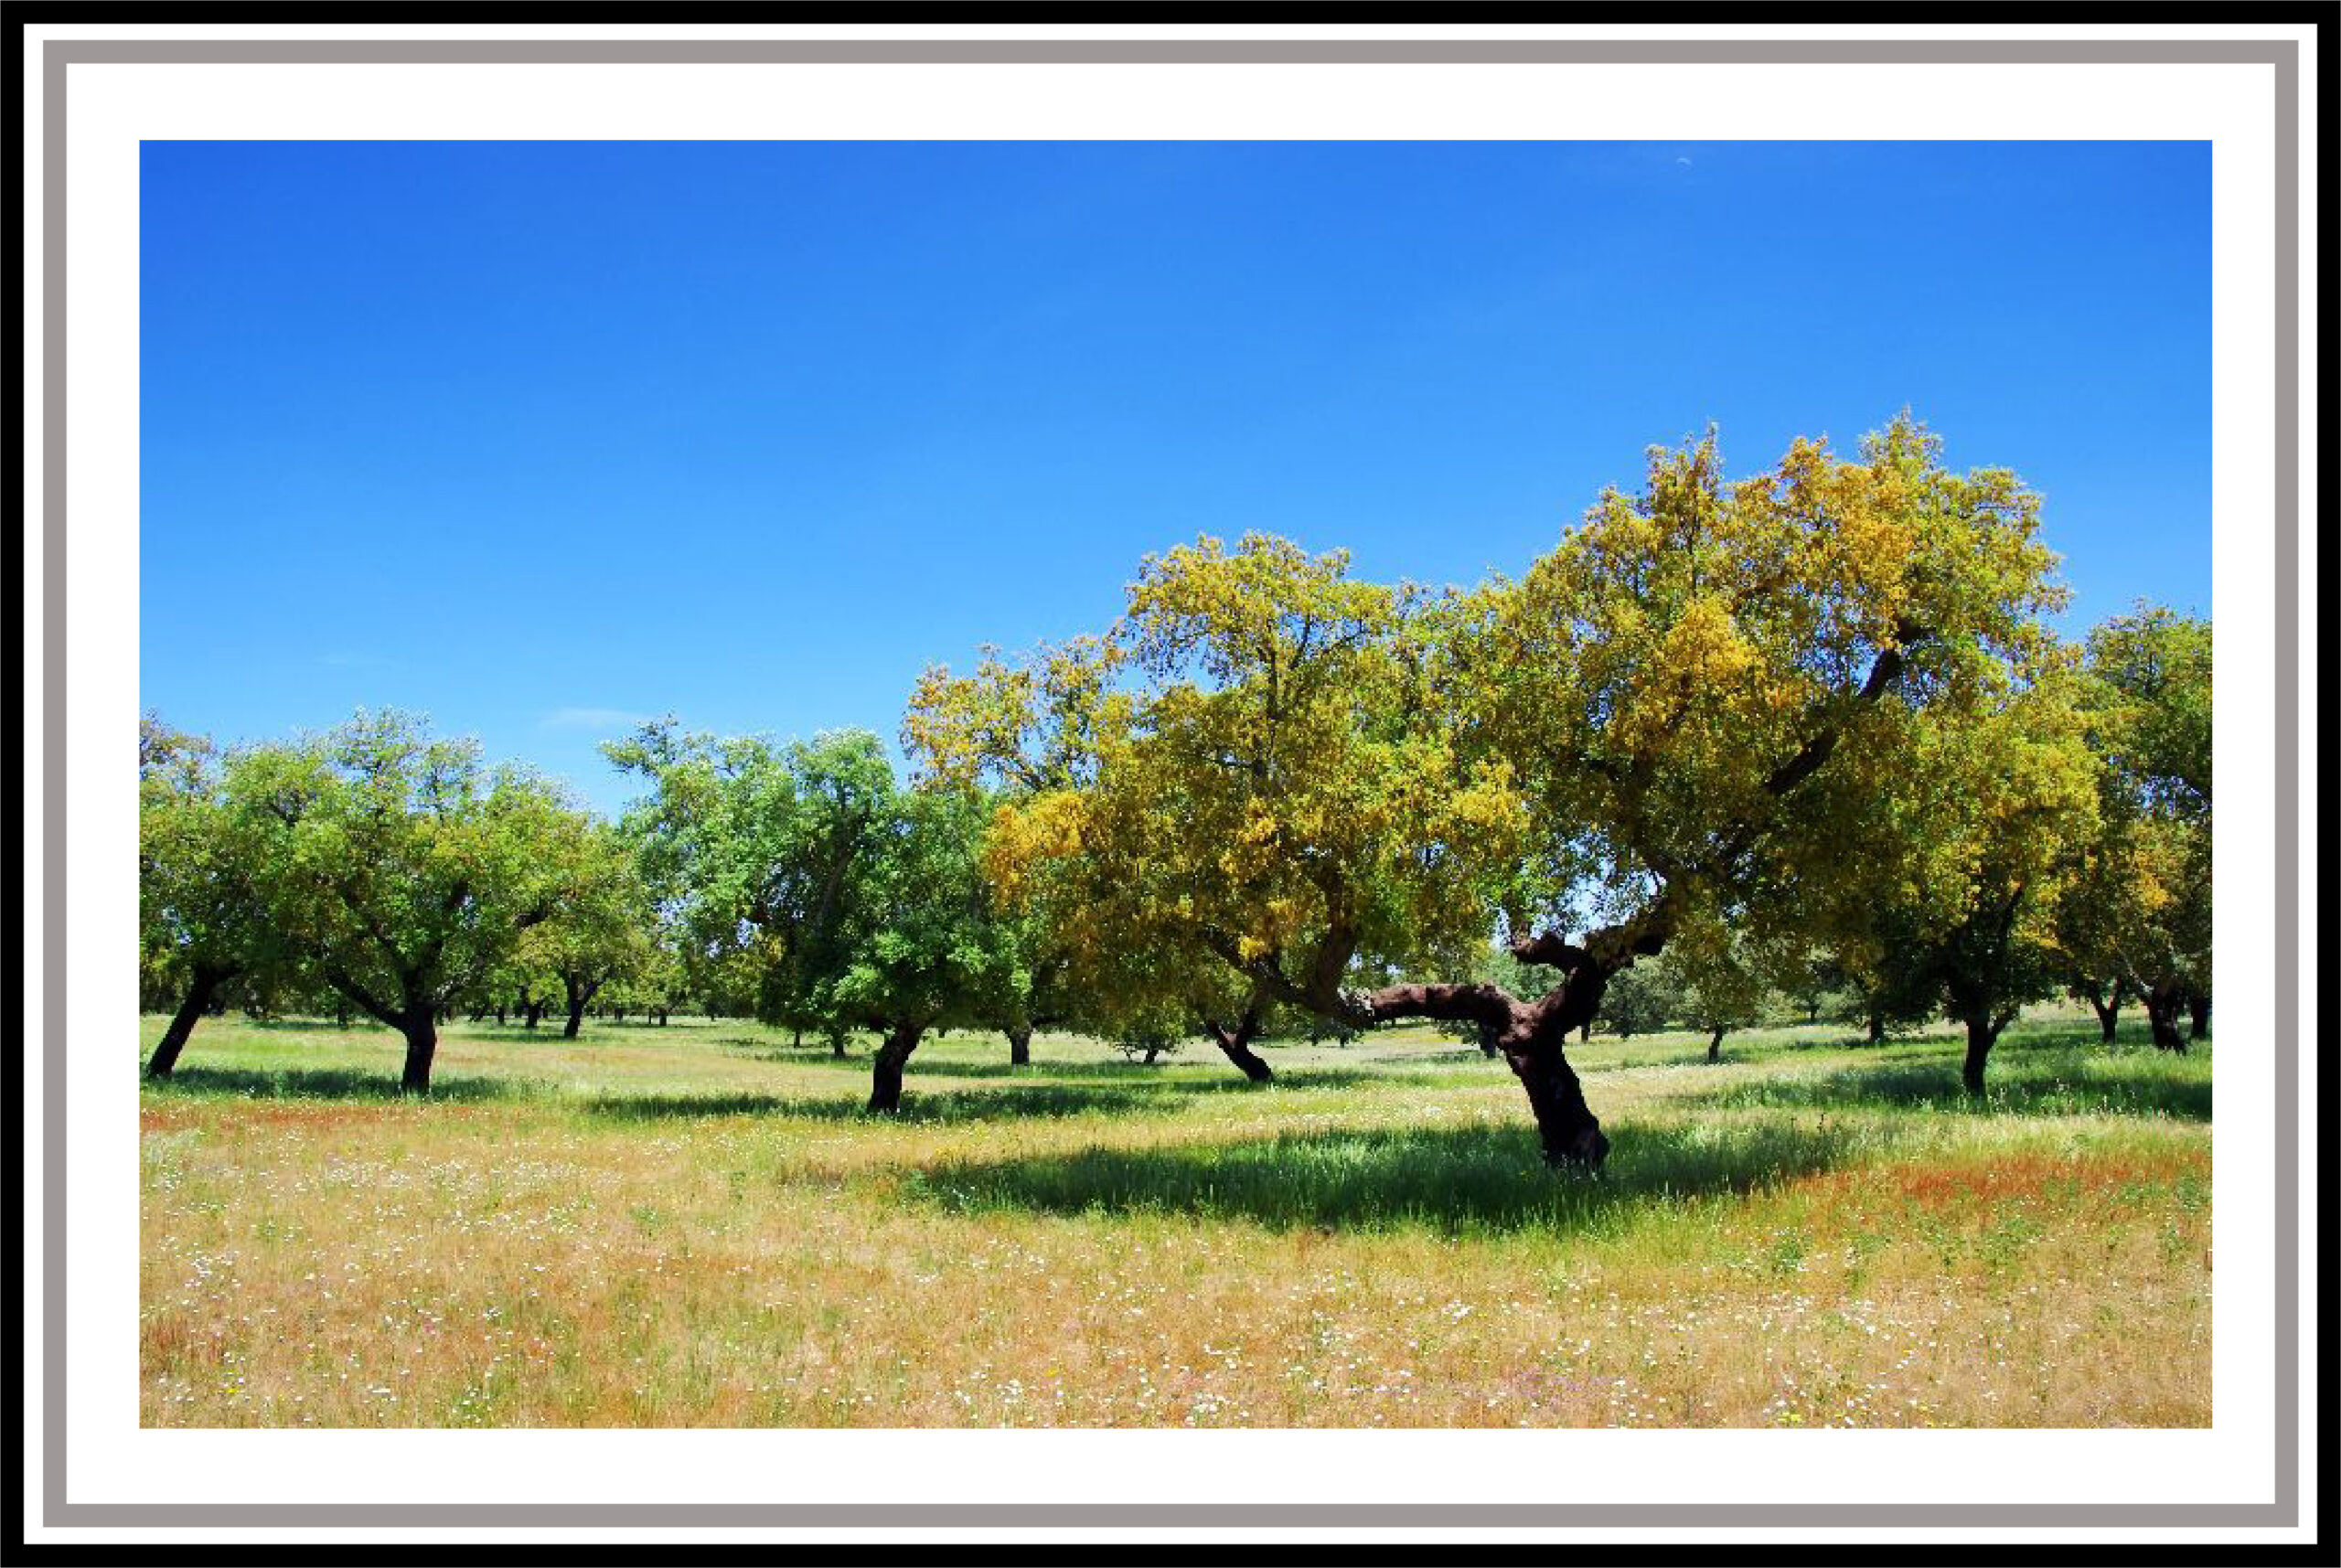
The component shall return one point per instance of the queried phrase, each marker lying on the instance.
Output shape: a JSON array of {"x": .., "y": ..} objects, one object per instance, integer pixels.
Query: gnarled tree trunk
[
  {"x": 886, "y": 1069},
  {"x": 203, "y": 989},
  {"x": 1715, "y": 1044},
  {"x": 2198, "y": 1014},
  {"x": 1019, "y": 1045},
  {"x": 1236, "y": 1042},
  {"x": 1530, "y": 1036}
]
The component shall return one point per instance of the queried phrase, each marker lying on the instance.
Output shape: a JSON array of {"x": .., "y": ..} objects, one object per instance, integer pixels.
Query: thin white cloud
[
  {"x": 592, "y": 719},
  {"x": 1684, "y": 161}
]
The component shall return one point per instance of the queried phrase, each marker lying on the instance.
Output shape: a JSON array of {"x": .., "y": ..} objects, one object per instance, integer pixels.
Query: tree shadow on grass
[
  {"x": 318, "y": 1083},
  {"x": 2046, "y": 1084},
  {"x": 1209, "y": 1077},
  {"x": 1110, "y": 1089},
  {"x": 957, "y": 1108},
  {"x": 1458, "y": 1180},
  {"x": 1735, "y": 1051}
]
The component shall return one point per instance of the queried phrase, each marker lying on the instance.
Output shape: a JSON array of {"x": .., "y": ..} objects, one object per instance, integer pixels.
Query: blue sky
[{"x": 536, "y": 438}]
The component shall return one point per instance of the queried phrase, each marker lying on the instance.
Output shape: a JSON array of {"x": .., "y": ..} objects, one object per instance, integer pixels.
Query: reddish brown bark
[{"x": 1530, "y": 1034}]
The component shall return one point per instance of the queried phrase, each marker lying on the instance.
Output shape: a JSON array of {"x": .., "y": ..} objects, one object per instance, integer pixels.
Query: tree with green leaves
[
  {"x": 203, "y": 926},
  {"x": 761, "y": 848},
  {"x": 1966, "y": 858},
  {"x": 858, "y": 903},
  {"x": 405, "y": 869},
  {"x": 1722, "y": 977},
  {"x": 1873, "y": 984},
  {"x": 2136, "y": 914},
  {"x": 1643, "y": 999},
  {"x": 602, "y": 934},
  {"x": 933, "y": 946}
]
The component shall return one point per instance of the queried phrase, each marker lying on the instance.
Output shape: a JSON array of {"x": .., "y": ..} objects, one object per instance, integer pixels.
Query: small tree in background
[
  {"x": 601, "y": 934},
  {"x": 1877, "y": 983},
  {"x": 1641, "y": 1000},
  {"x": 1722, "y": 980},
  {"x": 1146, "y": 1036}
]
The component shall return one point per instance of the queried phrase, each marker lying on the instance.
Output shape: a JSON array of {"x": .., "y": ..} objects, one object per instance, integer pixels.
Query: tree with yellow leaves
[
  {"x": 1296, "y": 772},
  {"x": 1246, "y": 784}
]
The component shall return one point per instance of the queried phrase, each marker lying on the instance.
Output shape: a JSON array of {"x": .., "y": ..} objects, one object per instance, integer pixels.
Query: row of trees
[
  {"x": 1811, "y": 716},
  {"x": 378, "y": 870}
]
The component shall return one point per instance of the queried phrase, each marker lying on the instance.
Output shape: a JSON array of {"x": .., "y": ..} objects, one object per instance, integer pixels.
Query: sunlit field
[{"x": 697, "y": 1226}]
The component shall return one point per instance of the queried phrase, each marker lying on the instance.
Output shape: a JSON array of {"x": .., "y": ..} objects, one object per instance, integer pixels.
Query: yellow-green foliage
[
  {"x": 1679, "y": 713},
  {"x": 2138, "y": 899}
]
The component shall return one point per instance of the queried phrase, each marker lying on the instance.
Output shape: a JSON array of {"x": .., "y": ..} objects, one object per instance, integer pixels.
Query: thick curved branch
[
  {"x": 1479, "y": 1002},
  {"x": 1883, "y": 675},
  {"x": 1550, "y": 948}
]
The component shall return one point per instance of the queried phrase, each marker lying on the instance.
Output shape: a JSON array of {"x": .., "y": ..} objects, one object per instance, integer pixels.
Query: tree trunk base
[
  {"x": 421, "y": 1044},
  {"x": 1981, "y": 1037},
  {"x": 2164, "y": 1004},
  {"x": 886, "y": 1070},
  {"x": 199, "y": 994},
  {"x": 1571, "y": 1136},
  {"x": 1235, "y": 1044}
]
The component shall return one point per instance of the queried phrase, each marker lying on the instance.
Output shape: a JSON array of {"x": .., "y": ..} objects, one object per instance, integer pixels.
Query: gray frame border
[{"x": 2284, "y": 56}]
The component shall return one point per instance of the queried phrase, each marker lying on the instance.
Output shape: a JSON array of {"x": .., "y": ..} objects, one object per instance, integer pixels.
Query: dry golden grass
[{"x": 695, "y": 1226}]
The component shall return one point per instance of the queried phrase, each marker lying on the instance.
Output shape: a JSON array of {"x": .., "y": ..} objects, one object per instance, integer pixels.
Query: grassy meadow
[{"x": 697, "y": 1225}]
